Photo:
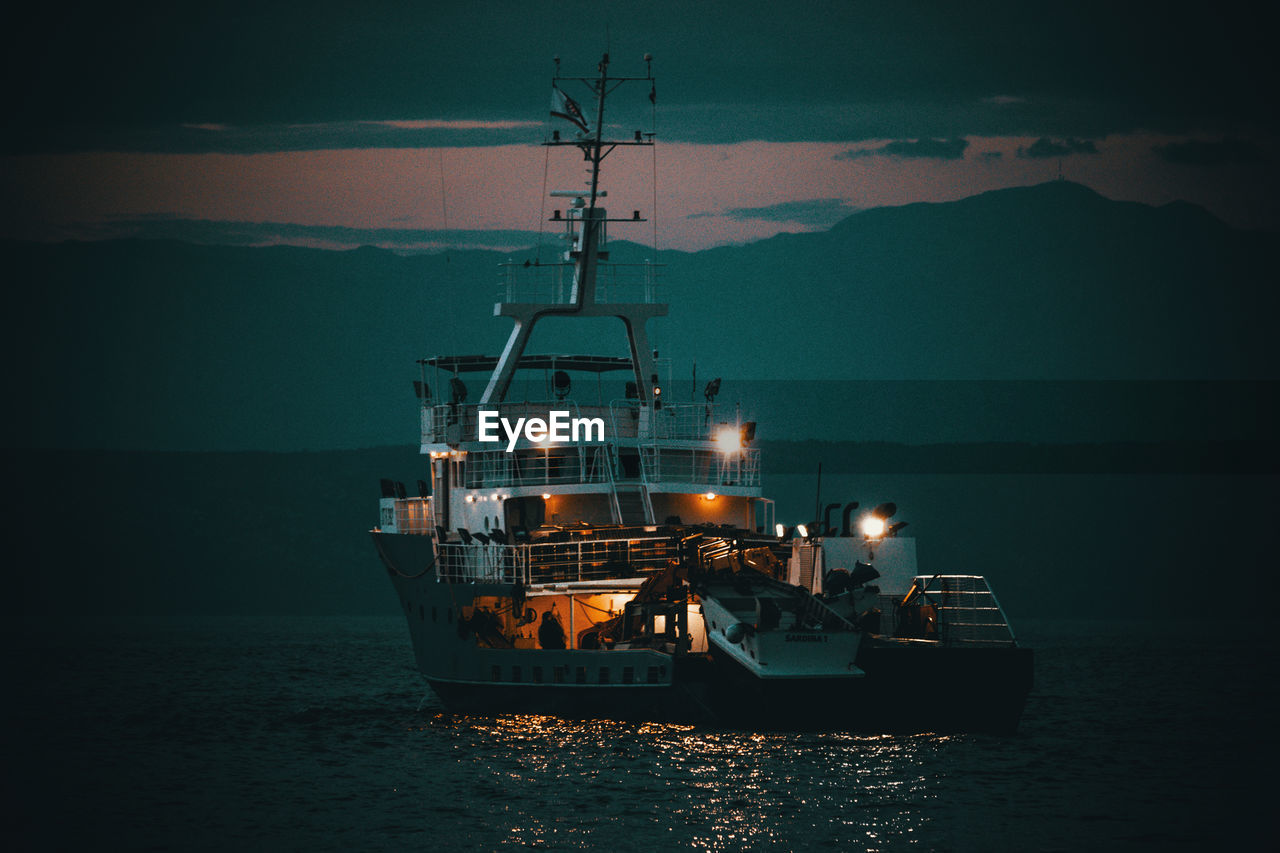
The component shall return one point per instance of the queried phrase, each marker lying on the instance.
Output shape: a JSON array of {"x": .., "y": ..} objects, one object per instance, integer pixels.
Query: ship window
[
  {"x": 628, "y": 675},
  {"x": 495, "y": 673},
  {"x": 653, "y": 675},
  {"x": 537, "y": 675},
  {"x": 516, "y": 675},
  {"x": 486, "y": 522},
  {"x": 557, "y": 674},
  {"x": 580, "y": 675},
  {"x": 604, "y": 675}
]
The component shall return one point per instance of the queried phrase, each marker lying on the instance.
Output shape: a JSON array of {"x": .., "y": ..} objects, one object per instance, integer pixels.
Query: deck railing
[
  {"x": 580, "y": 559},
  {"x": 703, "y": 467},
  {"x": 552, "y": 283},
  {"x": 414, "y": 516},
  {"x": 968, "y": 612},
  {"x": 557, "y": 466}
]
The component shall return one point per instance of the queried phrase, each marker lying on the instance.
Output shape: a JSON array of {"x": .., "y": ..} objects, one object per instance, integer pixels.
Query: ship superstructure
[{"x": 593, "y": 554}]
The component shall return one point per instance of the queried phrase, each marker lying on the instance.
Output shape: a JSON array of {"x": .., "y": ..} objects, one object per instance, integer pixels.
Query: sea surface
[{"x": 318, "y": 734}]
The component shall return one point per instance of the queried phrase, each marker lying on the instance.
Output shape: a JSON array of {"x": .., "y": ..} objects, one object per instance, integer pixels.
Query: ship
[{"x": 593, "y": 555}]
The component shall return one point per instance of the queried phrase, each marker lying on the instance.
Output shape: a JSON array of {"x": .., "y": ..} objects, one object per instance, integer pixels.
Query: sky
[{"x": 418, "y": 126}]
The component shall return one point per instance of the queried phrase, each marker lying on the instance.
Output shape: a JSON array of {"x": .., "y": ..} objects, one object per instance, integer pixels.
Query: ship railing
[
  {"x": 454, "y": 423},
  {"x": 558, "y": 465},
  {"x": 552, "y": 283},
  {"x": 414, "y": 516},
  {"x": 702, "y": 467},
  {"x": 671, "y": 422},
  {"x": 574, "y": 559},
  {"x": 968, "y": 612}
]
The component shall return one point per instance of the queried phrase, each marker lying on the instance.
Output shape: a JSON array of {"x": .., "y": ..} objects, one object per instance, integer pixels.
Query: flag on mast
[{"x": 562, "y": 106}]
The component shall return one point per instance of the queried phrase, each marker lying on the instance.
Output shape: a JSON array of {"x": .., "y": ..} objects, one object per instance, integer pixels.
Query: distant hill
[
  {"x": 1044, "y": 282},
  {"x": 173, "y": 346}
]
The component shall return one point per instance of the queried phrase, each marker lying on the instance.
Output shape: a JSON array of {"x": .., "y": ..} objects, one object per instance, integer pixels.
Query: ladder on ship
[
  {"x": 632, "y": 505},
  {"x": 629, "y": 502}
]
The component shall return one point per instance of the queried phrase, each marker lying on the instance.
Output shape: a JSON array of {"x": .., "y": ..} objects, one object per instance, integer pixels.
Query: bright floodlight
[
  {"x": 729, "y": 440},
  {"x": 803, "y": 531},
  {"x": 779, "y": 529},
  {"x": 872, "y": 527}
]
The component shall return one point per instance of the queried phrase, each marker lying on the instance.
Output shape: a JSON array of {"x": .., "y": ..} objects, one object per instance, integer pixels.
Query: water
[{"x": 308, "y": 734}]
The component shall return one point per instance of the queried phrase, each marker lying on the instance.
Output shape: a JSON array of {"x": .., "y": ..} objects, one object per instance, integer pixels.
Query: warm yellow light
[
  {"x": 729, "y": 440},
  {"x": 803, "y": 531},
  {"x": 872, "y": 526},
  {"x": 546, "y": 496},
  {"x": 709, "y": 496}
]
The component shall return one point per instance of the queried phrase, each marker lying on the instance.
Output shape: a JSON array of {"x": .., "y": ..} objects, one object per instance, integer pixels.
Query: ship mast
[{"x": 585, "y": 252}]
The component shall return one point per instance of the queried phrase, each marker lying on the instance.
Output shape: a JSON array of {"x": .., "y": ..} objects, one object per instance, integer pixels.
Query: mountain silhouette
[{"x": 167, "y": 345}]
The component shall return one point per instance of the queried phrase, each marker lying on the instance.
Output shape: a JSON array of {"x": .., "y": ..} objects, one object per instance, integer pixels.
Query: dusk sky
[{"x": 417, "y": 125}]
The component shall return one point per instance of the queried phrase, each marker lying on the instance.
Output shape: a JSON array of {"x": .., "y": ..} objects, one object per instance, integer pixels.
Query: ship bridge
[{"x": 638, "y": 459}]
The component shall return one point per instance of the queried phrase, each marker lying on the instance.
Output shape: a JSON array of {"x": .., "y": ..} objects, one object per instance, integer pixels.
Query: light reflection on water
[
  {"x": 311, "y": 736},
  {"x": 568, "y": 782}
]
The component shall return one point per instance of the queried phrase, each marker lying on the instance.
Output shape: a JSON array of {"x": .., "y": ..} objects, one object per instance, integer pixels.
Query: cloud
[
  {"x": 844, "y": 74},
  {"x": 217, "y": 138},
  {"x": 938, "y": 149},
  {"x": 1046, "y": 147},
  {"x": 452, "y": 124},
  {"x": 231, "y": 233},
  {"x": 814, "y": 211},
  {"x": 1207, "y": 152}
]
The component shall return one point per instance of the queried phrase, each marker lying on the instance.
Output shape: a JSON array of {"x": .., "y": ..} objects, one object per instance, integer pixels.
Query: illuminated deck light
[{"x": 729, "y": 440}]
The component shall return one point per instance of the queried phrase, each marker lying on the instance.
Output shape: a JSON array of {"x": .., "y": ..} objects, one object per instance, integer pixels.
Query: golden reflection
[{"x": 706, "y": 788}]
